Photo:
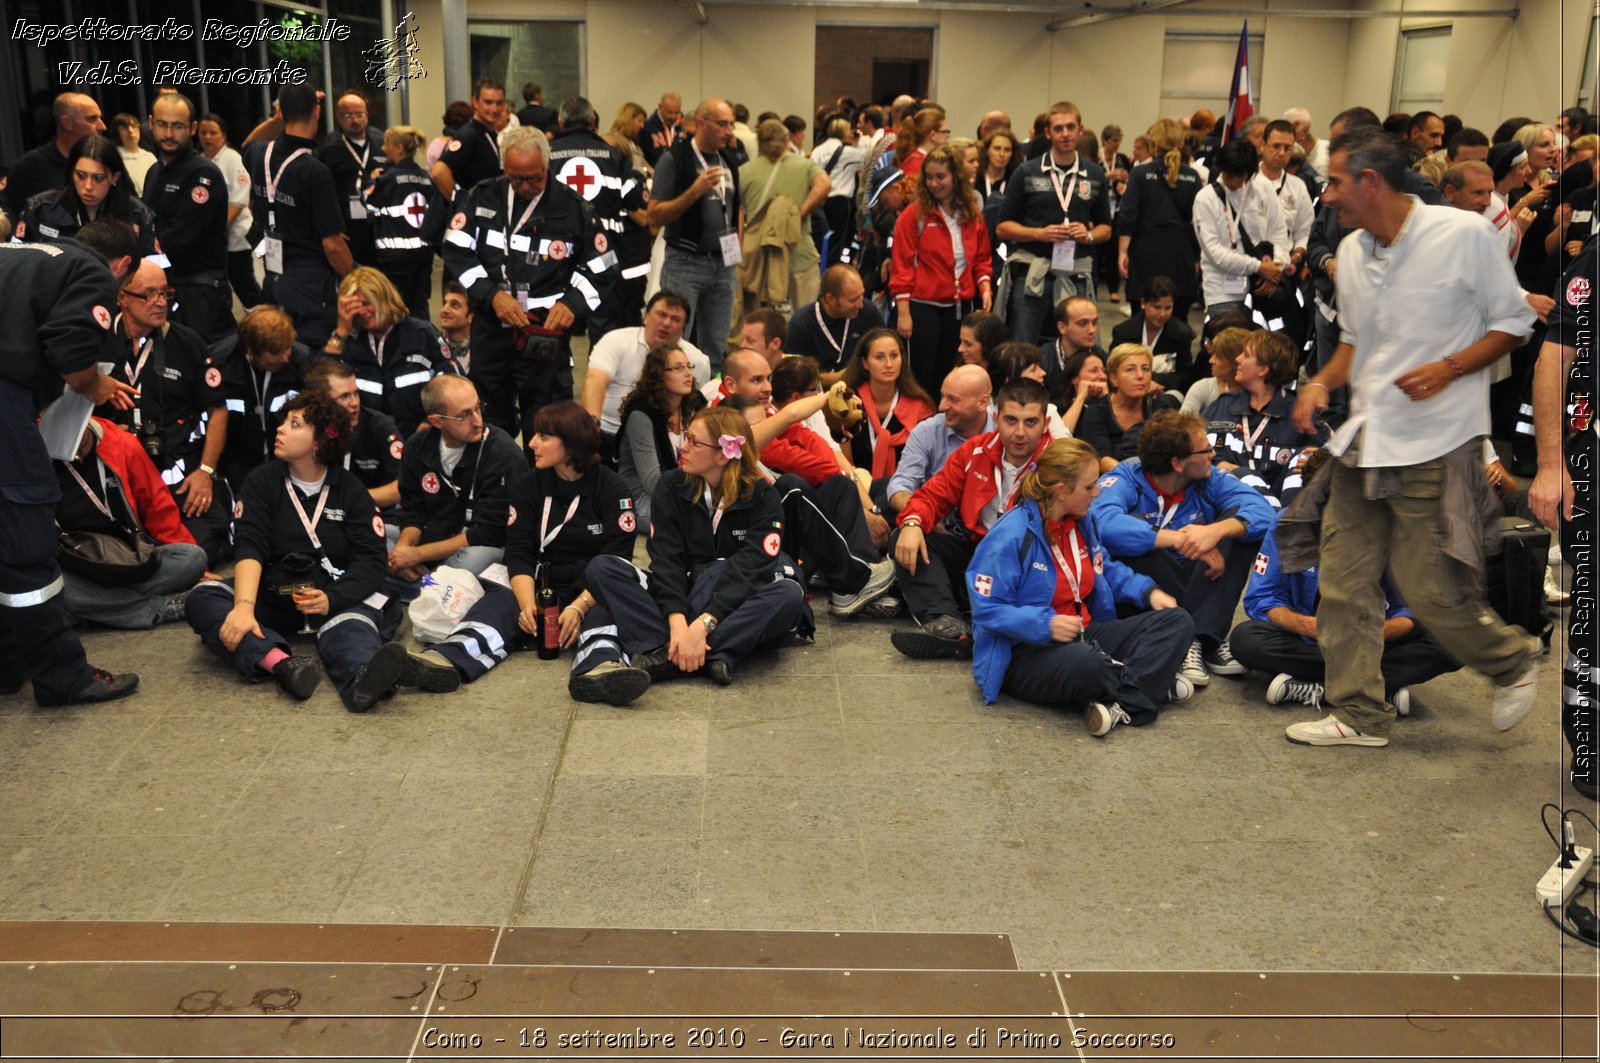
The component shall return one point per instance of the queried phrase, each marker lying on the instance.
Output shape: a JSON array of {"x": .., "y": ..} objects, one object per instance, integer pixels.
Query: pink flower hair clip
[{"x": 732, "y": 446}]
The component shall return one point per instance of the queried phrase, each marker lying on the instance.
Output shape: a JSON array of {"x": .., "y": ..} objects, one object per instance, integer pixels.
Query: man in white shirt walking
[{"x": 1427, "y": 302}]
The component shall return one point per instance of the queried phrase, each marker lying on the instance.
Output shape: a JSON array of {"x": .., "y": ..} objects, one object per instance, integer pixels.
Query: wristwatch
[
  {"x": 876, "y": 511},
  {"x": 709, "y": 621},
  {"x": 208, "y": 470}
]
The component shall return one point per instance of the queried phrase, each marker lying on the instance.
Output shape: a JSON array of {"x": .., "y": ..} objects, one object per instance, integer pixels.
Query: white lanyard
[
  {"x": 1249, "y": 436},
  {"x": 274, "y": 178},
  {"x": 546, "y": 539},
  {"x": 143, "y": 346},
  {"x": 361, "y": 160},
  {"x": 1069, "y": 569},
  {"x": 716, "y": 513},
  {"x": 1165, "y": 515},
  {"x": 505, "y": 266},
  {"x": 1065, "y": 200},
  {"x": 722, "y": 197},
  {"x": 310, "y": 525},
  {"x": 878, "y": 420},
  {"x": 1235, "y": 221},
  {"x": 262, "y": 389},
  {"x": 844, "y": 338},
  {"x": 376, "y": 346},
  {"x": 103, "y": 507}
]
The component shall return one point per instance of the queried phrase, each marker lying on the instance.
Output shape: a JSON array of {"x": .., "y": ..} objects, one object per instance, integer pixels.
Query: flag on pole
[{"x": 1239, "y": 105}]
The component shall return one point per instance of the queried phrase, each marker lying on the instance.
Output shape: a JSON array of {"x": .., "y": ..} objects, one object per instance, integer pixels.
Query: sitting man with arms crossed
[
  {"x": 455, "y": 485},
  {"x": 1280, "y": 638},
  {"x": 1191, "y": 527},
  {"x": 941, "y": 525}
]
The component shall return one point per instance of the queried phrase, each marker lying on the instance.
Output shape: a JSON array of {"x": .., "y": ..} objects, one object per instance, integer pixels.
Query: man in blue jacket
[
  {"x": 1280, "y": 638},
  {"x": 1170, "y": 514}
]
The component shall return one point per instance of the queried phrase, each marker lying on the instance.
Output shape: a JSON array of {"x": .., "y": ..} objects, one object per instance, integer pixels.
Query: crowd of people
[{"x": 870, "y": 372}]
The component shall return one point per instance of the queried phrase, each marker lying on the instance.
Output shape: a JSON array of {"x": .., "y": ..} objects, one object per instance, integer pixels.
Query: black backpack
[{"x": 1516, "y": 578}]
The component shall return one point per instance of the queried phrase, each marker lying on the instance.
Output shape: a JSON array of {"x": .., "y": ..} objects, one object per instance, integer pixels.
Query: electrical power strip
[{"x": 1558, "y": 884}]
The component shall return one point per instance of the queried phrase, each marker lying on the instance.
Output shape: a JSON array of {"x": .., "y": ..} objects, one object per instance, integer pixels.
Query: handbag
[{"x": 105, "y": 558}]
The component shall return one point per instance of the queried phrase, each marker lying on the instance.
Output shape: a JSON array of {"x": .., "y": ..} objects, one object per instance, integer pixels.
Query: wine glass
[{"x": 302, "y": 591}]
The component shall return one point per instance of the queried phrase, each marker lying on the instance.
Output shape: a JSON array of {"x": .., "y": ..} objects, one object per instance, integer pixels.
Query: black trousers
[
  {"x": 628, "y": 622},
  {"x": 935, "y": 340},
  {"x": 414, "y": 282},
  {"x": 242, "y": 278},
  {"x": 514, "y": 388},
  {"x": 1263, "y": 646},
  {"x": 36, "y": 639},
  {"x": 1210, "y": 601},
  {"x": 938, "y": 588},
  {"x": 205, "y": 304},
  {"x": 826, "y": 526},
  {"x": 309, "y": 293},
  {"x": 212, "y": 528}
]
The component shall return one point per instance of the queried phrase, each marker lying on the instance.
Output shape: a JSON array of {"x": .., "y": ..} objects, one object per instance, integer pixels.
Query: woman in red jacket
[{"x": 941, "y": 267}]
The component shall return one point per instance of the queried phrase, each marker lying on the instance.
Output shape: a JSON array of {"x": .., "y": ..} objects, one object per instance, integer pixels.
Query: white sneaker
[
  {"x": 879, "y": 580},
  {"x": 1553, "y": 593},
  {"x": 1511, "y": 704},
  {"x": 1182, "y": 690},
  {"x": 1285, "y": 688},
  {"x": 1193, "y": 667},
  {"x": 1328, "y": 731},
  {"x": 1402, "y": 701},
  {"x": 1100, "y": 717}
]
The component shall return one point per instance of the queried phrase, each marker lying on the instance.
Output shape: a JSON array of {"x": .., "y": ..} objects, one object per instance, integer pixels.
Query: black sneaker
[
  {"x": 102, "y": 686},
  {"x": 609, "y": 683},
  {"x": 377, "y": 680},
  {"x": 942, "y": 638},
  {"x": 431, "y": 672},
  {"x": 173, "y": 608},
  {"x": 720, "y": 671},
  {"x": 657, "y": 664},
  {"x": 298, "y": 676}
]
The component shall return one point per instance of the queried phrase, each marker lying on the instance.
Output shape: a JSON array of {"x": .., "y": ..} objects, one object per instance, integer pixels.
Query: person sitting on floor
[
  {"x": 940, "y": 526},
  {"x": 308, "y": 549},
  {"x": 1191, "y": 527},
  {"x": 718, "y": 586},
  {"x": 111, "y": 487},
  {"x": 569, "y": 509},
  {"x": 1280, "y": 636},
  {"x": 1044, "y": 606}
]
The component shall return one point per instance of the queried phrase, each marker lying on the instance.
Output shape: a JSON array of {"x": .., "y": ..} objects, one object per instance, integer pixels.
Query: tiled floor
[{"x": 834, "y": 786}]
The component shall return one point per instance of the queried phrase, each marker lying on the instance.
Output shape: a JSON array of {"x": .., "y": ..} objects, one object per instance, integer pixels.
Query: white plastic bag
[{"x": 447, "y": 594}]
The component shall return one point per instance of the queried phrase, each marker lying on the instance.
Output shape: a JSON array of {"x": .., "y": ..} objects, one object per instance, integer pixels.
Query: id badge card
[
  {"x": 271, "y": 250},
  {"x": 523, "y": 294},
  {"x": 1063, "y": 255},
  {"x": 1234, "y": 284},
  {"x": 732, "y": 253},
  {"x": 358, "y": 209}
]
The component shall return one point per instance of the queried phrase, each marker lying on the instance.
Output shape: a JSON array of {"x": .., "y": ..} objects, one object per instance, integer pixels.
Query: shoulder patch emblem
[
  {"x": 982, "y": 584},
  {"x": 1578, "y": 291},
  {"x": 200, "y": 193},
  {"x": 397, "y": 449},
  {"x": 213, "y": 378},
  {"x": 771, "y": 544},
  {"x": 459, "y": 221},
  {"x": 511, "y": 515},
  {"x": 558, "y": 249},
  {"x": 102, "y": 317},
  {"x": 1261, "y": 564},
  {"x": 430, "y": 483},
  {"x": 626, "y": 521},
  {"x": 454, "y": 145},
  {"x": 377, "y": 525}
]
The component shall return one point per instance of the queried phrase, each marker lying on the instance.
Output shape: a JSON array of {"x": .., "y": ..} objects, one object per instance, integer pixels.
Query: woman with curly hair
[
  {"x": 1155, "y": 220},
  {"x": 718, "y": 585},
  {"x": 941, "y": 267},
  {"x": 980, "y": 334},
  {"x": 654, "y": 416},
  {"x": 309, "y": 549}
]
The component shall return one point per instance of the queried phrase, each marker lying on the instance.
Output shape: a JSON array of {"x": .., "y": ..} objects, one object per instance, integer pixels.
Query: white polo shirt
[{"x": 620, "y": 354}]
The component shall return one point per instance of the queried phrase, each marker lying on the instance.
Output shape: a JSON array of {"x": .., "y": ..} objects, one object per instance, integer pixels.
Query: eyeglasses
[
  {"x": 168, "y": 127},
  {"x": 690, "y": 443},
  {"x": 466, "y": 415},
  {"x": 153, "y": 295},
  {"x": 1208, "y": 450},
  {"x": 97, "y": 178},
  {"x": 352, "y": 114},
  {"x": 522, "y": 179},
  {"x": 684, "y": 368}
]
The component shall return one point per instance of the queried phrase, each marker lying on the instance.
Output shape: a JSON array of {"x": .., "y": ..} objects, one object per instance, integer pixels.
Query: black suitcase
[{"x": 1516, "y": 578}]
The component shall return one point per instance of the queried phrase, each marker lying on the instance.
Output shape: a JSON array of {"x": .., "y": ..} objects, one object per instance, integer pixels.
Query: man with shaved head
[
  {"x": 829, "y": 329},
  {"x": 662, "y": 129},
  {"x": 696, "y": 200},
  {"x": 45, "y": 167},
  {"x": 965, "y": 406},
  {"x": 992, "y": 121}
]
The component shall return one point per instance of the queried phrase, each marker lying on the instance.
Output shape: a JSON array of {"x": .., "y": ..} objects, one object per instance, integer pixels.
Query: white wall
[{"x": 764, "y": 57}]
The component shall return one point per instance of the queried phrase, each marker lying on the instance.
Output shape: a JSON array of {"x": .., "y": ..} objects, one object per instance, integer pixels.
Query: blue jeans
[
  {"x": 134, "y": 607},
  {"x": 708, "y": 286},
  {"x": 1026, "y": 315}
]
